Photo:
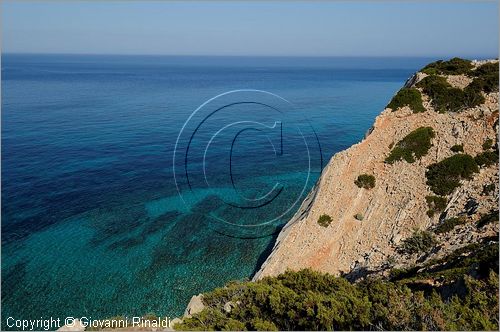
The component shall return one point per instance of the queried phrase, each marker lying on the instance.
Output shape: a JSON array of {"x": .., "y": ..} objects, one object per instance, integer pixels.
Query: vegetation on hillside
[
  {"x": 366, "y": 181},
  {"x": 358, "y": 216},
  {"x": 486, "y": 158},
  {"x": 487, "y": 144},
  {"x": 418, "y": 243},
  {"x": 444, "y": 176},
  {"x": 413, "y": 146},
  {"x": 449, "y": 224},
  {"x": 454, "y": 66},
  {"x": 444, "y": 97},
  {"x": 486, "y": 77},
  {"x": 410, "y": 97},
  {"x": 457, "y": 148},
  {"x": 488, "y": 218},
  {"x": 324, "y": 220},
  {"x": 465, "y": 298}
]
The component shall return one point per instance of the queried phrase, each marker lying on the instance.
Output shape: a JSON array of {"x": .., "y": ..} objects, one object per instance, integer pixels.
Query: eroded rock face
[{"x": 397, "y": 204}]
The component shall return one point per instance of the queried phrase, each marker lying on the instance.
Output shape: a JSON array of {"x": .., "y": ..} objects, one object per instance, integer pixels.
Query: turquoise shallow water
[{"x": 92, "y": 222}]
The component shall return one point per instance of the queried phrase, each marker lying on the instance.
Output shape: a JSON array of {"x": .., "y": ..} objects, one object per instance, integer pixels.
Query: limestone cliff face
[{"x": 396, "y": 205}]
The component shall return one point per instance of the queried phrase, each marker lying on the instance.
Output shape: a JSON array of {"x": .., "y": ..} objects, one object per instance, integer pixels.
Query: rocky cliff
[{"x": 369, "y": 225}]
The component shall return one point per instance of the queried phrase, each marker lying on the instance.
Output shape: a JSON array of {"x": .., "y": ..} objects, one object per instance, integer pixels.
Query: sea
[{"x": 131, "y": 183}]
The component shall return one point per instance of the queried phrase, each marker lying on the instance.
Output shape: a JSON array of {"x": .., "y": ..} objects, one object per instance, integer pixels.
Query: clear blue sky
[{"x": 245, "y": 28}]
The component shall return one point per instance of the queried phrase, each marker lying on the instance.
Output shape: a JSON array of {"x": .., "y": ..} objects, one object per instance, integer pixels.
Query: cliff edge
[{"x": 368, "y": 225}]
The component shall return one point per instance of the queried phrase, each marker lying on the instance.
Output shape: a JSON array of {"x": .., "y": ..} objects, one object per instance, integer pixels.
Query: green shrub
[
  {"x": 486, "y": 158},
  {"x": 410, "y": 97},
  {"x": 446, "y": 98},
  {"x": 443, "y": 177},
  {"x": 488, "y": 218},
  {"x": 420, "y": 242},
  {"x": 259, "y": 324},
  {"x": 413, "y": 146},
  {"x": 488, "y": 144},
  {"x": 324, "y": 220},
  {"x": 488, "y": 68},
  {"x": 435, "y": 204},
  {"x": 307, "y": 300},
  {"x": 449, "y": 224},
  {"x": 487, "y": 84},
  {"x": 358, "y": 216},
  {"x": 455, "y": 66},
  {"x": 365, "y": 181},
  {"x": 487, "y": 77},
  {"x": 457, "y": 148}
]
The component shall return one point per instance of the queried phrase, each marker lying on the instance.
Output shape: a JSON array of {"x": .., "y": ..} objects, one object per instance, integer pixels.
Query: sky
[{"x": 313, "y": 28}]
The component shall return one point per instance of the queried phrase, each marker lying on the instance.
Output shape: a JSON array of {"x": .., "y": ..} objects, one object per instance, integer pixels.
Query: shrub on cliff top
[
  {"x": 443, "y": 177},
  {"x": 365, "y": 181},
  {"x": 324, "y": 220},
  {"x": 410, "y": 97},
  {"x": 413, "y": 146},
  {"x": 454, "y": 66},
  {"x": 446, "y": 98},
  {"x": 486, "y": 77}
]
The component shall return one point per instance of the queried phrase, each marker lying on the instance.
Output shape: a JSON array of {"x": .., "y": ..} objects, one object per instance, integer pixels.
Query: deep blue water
[{"x": 92, "y": 221}]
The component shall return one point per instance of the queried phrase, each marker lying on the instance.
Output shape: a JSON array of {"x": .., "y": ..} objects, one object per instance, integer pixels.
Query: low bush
[
  {"x": 436, "y": 204},
  {"x": 443, "y": 177},
  {"x": 413, "y": 146},
  {"x": 446, "y": 98},
  {"x": 410, "y": 97},
  {"x": 365, "y": 181},
  {"x": 455, "y": 66},
  {"x": 486, "y": 69},
  {"x": 486, "y": 77},
  {"x": 308, "y": 300},
  {"x": 449, "y": 224},
  {"x": 358, "y": 216},
  {"x": 457, "y": 148},
  {"x": 419, "y": 243},
  {"x": 488, "y": 218},
  {"x": 486, "y": 158},
  {"x": 324, "y": 220},
  {"x": 262, "y": 325},
  {"x": 488, "y": 144}
]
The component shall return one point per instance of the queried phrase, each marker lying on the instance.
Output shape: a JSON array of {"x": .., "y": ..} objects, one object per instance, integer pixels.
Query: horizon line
[{"x": 253, "y": 55}]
